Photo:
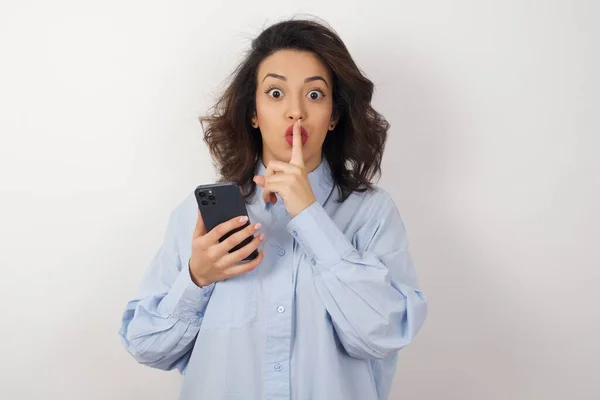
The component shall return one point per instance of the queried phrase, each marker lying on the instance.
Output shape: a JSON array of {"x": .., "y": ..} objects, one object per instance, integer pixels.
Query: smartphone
[{"x": 219, "y": 203}]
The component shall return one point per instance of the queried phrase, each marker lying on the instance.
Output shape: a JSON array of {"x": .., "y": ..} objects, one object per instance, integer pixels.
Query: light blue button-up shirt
[{"x": 322, "y": 317}]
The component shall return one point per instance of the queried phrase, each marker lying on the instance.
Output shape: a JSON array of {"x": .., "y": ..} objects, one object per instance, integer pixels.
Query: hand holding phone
[
  {"x": 223, "y": 237},
  {"x": 211, "y": 260}
]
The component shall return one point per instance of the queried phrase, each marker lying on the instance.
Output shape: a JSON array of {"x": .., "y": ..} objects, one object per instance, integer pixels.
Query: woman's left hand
[{"x": 289, "y": 180}]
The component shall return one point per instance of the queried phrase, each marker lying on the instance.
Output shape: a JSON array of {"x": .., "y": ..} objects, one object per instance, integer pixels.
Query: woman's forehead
[{"x": 293, "y": 65}]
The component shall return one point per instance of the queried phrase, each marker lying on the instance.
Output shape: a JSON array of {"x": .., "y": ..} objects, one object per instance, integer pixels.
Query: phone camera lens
[
  {"x": 204, "y": 202},
  {"x": 211, "y": 197},
  {"x": 202, "y": 194}
]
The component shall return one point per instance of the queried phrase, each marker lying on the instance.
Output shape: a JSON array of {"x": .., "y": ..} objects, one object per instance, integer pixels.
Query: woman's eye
[
  {"x": 315, "y": 94},
  {"x": 275, "y": 93}
]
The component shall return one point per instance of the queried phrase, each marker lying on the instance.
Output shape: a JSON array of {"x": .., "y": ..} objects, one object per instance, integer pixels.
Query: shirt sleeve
[
  {"x": 160, "y": 323},
  {"x": 370, "y": 289}
]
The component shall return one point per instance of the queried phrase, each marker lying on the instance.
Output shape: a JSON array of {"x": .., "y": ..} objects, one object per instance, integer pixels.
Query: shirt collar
[{"x": 321, "y": 182}]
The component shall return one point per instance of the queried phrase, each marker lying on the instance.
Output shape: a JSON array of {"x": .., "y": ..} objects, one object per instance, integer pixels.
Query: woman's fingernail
[
  {"x": 261, "y": 236},
  {"x": 257, "y": 226},
  {"x": 243, "y": 219}
]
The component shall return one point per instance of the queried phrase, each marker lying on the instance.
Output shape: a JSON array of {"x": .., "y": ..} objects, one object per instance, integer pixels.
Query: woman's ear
[
  {"x": 333, "y": 123},
  {"x": 254, "y": 122}
]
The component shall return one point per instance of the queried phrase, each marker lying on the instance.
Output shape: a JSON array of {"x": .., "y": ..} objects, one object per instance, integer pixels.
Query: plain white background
[{"x": 491, "y": 160}]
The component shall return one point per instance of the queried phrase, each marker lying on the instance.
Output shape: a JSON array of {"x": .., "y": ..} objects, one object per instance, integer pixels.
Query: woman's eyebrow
[
  {"x": 309, "y": 79},
  {"x": 316, "y": 78},
  {"x": 276, "y": 76}
]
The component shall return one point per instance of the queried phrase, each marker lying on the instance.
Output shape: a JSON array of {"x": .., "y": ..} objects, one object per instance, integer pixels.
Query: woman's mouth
[{"x": 289, "y": 135}]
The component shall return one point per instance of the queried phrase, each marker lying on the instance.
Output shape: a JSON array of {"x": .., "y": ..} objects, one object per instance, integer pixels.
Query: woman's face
[{"x": 293, "y": 85}]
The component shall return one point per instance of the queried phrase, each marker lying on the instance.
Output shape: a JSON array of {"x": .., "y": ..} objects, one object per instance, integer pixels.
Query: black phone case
[{"x": 219, "y": 203}]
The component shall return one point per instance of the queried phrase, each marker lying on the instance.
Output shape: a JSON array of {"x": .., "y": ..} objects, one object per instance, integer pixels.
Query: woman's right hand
[{"x": 211, "y": 260}]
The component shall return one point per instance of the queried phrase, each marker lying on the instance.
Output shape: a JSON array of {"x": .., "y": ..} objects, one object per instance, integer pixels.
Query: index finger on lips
[{"x": 297, "y": 155}]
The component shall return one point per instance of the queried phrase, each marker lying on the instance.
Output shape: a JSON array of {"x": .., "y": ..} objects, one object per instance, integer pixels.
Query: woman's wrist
[{"x": 198, "y": 280}]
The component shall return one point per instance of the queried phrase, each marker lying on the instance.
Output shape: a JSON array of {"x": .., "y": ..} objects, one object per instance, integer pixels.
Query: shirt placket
[{"x": 279, "y": 311}]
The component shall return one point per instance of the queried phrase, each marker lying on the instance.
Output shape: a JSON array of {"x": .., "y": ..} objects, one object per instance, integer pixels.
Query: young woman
[{"x": 321, "y": 313}]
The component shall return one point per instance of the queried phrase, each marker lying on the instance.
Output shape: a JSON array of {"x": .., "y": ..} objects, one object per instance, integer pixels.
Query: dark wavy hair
[{"x": 353, "y": 149}]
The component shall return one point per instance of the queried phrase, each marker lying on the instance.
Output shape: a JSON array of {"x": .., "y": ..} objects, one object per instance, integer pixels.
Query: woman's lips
[{"x": 289, "y": 135}]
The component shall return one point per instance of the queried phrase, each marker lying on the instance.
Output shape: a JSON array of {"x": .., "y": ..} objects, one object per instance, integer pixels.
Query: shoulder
[
  {"x": 375, "y": 203},
  {"x": 372, "y": 220},
  {"x": 364, "y": 211},
  {"x": 185, "y": 214},
  {"x": 186, "y": 205}
]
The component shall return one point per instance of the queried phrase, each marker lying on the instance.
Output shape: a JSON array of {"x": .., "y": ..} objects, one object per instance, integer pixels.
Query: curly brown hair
[{"x": 353, "y": 150}]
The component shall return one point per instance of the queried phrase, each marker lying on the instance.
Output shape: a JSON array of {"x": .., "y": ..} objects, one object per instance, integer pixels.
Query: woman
[{"x": 323, "y": 310}]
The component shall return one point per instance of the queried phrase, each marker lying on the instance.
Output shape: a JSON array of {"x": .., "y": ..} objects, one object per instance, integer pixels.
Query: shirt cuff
[
  {"x": 319, "y": 237},
  {"x": 185, "y": 299}
]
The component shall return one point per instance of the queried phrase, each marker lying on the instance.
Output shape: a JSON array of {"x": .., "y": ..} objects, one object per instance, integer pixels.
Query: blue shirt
[{"x": 322, "y": 317}]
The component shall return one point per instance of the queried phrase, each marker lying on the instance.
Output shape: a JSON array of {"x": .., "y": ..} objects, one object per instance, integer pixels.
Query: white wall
[{"x": 491, "y": 160}]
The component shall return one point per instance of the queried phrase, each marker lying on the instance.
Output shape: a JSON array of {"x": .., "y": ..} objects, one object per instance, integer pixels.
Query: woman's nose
[{"x": 296, "y": 110}]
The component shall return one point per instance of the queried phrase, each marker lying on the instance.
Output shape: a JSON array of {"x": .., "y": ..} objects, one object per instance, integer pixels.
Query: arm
[
  {"x": 161, "y": 322},
  {"x": 371, "y": 290}
]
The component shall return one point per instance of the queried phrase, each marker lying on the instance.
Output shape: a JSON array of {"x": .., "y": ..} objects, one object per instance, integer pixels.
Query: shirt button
[
  {"x": 312, "y": 261},
  {"x": 281, "y": 309},
  {"x": 294, "y": 233},
  {"x": 281, "y": 252},
  {"x": 278, "y": 367},
  {"x": 200, "y": 314},
  {"x": 207, "y": 293}
]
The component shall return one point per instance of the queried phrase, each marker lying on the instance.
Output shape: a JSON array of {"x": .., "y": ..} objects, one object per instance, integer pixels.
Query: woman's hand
[
  {"x": 289, "y": 180},
  {"x": 211, "y": 260}
]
